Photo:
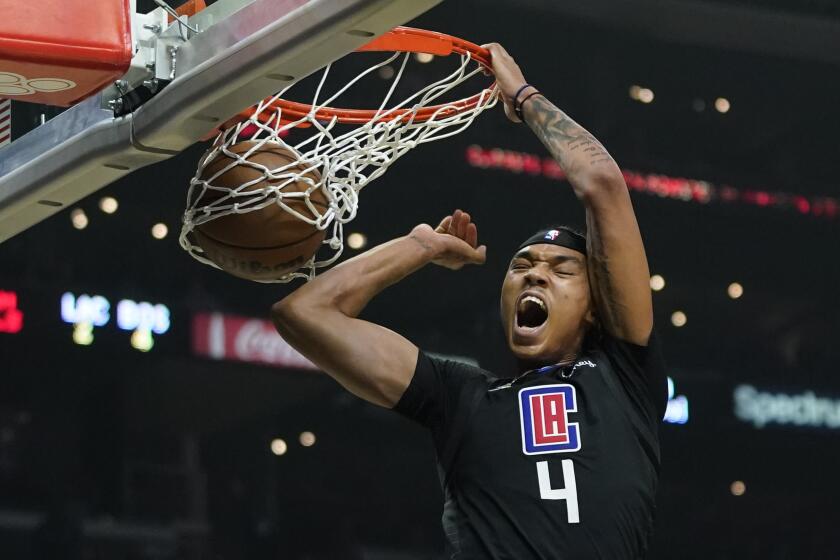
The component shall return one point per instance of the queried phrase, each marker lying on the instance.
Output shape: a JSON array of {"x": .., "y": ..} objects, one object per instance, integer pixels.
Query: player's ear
[
  {"x": 591, "y": 319},
  {"x": 593, "y": 327},
  {"x": 591, "y": 316}
]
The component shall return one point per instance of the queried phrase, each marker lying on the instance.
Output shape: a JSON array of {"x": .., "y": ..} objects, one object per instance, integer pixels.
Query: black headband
[{"x": 562, "y": 237}]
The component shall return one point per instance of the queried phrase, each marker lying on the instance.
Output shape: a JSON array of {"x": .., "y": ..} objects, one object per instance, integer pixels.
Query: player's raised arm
[
  {"x": 320, "y": 319},
  {"x": 617, "y": 265}
]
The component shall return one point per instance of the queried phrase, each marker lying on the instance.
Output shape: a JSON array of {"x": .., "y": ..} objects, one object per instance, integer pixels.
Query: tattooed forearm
[{"x": 574, "y": 148}]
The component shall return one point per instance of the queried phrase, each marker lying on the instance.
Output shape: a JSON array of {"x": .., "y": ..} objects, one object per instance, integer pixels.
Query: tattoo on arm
[
  {"x": 421, "y": 242},
  {"x": 606, "y": 301},
  {"x": 572, "y": 146}
]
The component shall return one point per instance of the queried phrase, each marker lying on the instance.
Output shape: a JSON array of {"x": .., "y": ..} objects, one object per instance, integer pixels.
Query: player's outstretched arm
[
  {"x": 617, "y": 265},
  {"x": 319, "y": 319}
]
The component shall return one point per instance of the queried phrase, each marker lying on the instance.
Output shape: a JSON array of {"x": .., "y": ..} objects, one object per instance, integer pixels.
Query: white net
[{"x": 345, "y": 160}]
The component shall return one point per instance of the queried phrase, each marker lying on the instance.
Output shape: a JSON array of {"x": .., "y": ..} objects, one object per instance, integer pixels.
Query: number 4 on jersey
[
  {"x": 544, "y": 417},
  {"x": 568, "y": 492}
]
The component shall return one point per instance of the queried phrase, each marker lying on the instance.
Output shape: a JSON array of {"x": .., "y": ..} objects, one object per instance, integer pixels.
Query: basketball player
[{"x": 560, "y": 458}]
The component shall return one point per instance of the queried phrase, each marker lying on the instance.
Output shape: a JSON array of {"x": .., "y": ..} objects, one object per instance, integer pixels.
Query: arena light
[
  {"x": 279, "y": 447},
  {"x": 738, "y": 488},
  {"x": 641, "y": 94},
  {"x": 424, "y": 58},
  {"x": 735, "y": 290},
  {"x": 386, "y": 72},
  {"x": 307, "y": 439},
  {"x": 678, "y": 319},
  {"x": 159, "y": 231},
  {"x": 356, "y": 240},
  {"x": 108, "y": 204},
  {"x": 722, "y": 105},
  {"x": 79, "y": 219},
  {"x": 657, "y": 283}
]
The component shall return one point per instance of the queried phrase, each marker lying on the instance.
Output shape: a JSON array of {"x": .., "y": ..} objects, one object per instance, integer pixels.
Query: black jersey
[{"x": 562, "y": 464}]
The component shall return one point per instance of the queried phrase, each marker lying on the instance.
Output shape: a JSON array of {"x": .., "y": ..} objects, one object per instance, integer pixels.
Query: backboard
[{"x": 184, "y": 82}]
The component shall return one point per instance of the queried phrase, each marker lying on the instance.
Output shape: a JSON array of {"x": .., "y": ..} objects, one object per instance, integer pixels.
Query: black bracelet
[
  {"x": 517, "y": 108},
  {"x": 519, "y": 92}
]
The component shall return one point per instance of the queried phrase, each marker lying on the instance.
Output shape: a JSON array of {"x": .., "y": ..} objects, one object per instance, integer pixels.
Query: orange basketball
[{"x": 261, "y": 244}]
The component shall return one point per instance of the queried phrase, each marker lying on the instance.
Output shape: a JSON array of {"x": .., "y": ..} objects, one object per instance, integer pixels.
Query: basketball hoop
[{"x": 348, "y": 147}]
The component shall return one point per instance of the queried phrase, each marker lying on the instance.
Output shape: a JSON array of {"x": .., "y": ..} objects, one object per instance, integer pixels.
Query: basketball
[{"x": 266, "y": 243}]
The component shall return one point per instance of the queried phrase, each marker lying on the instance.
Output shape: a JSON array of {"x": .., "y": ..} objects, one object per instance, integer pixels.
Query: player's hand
[
  {"x": 509, "y": 78},
  {"x": 454, "y": 241}
]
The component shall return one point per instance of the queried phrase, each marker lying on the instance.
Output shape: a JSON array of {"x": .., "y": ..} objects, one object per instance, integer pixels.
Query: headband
[{"x": 562, "y": 237}]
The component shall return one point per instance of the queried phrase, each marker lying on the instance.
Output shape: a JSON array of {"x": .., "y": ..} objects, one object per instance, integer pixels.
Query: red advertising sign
[
  {"x": 11, "y": 318},
  {"x": 243, "y": 339}
]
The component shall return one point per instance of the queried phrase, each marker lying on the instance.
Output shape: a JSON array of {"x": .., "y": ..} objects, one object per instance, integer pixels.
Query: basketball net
[{"x": 346, "y": 161}]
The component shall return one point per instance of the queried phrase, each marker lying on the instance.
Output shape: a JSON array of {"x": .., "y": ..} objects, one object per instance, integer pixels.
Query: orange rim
[{"x": 399, "y": 39}]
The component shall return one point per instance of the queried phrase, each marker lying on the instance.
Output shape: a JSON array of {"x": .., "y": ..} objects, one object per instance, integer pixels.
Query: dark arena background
[{"x": 205, "y": 436}]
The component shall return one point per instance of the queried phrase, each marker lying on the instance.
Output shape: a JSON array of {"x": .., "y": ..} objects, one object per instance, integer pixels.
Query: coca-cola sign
[{"x": 243, "y": 339}]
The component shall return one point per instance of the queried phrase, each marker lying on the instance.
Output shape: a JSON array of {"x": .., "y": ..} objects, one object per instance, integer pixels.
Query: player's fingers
[
  {"x": 472, "y": 235},
  {"x": 500, "y": 55},
  {"x": 456, "y": 219},
  {"x": 444, "y": 225},
  {"x": 462, "y": 225},
  {"x": 480, "y": 255},
  {"x": 453, "y": 223},
  {"x": 495, "y": 48}
]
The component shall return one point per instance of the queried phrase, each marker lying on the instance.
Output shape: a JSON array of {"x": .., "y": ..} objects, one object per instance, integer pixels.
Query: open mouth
[{"x": 531, "y": 312}]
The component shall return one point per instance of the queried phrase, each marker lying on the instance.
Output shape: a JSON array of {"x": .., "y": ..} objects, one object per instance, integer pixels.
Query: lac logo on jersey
[{"x": 544, "y": 415}]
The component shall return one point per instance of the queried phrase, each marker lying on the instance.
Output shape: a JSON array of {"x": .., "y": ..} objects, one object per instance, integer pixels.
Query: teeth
[{"x": 535, "y": 300}]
